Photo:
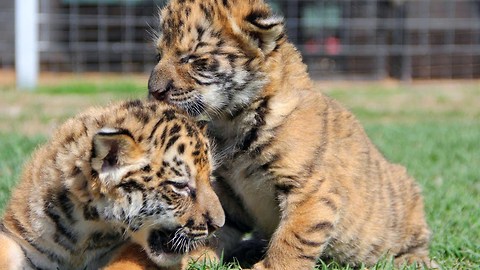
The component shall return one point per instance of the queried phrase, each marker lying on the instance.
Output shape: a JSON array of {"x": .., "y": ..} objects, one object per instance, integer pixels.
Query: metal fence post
[{"x": 26, "y": 43}]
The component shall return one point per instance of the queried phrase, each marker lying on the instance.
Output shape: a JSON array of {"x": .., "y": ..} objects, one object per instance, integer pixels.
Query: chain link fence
[{"x": 344, "y": 39}]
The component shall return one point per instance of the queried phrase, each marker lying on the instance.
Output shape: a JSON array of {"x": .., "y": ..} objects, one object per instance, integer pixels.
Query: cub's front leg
[{"x": 309, "y": 215}]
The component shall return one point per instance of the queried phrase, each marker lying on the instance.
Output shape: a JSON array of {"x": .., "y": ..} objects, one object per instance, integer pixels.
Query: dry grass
[{"x": 63, "y": 95}]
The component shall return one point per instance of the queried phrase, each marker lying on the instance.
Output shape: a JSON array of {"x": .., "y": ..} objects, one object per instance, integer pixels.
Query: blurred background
[{"x": 340, "y": 39}]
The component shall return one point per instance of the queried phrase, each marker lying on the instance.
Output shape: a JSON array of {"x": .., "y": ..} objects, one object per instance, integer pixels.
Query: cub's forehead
[
  {"x": 187, "y": 158},
  {"x": 190, "y": 9},
  {"x": 181, "y": 140},
  {"x": 185, "y": 21}
]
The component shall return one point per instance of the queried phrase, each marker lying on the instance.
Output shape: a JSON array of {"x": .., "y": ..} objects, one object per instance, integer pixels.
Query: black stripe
[
  {"x": 29, "y": 261},
  {"x": 131, "y": 185},
  {"x": 142, "y": 115},
  {"x": 309, "y": 167},
  {"x": 132, "y": 104},
  {"x": 200, "y": 32},
  {"x": 284, "y": 188},
  {"x": 269, "y": 164},
  {"x": 90, "y": 213},
  {"x": 297, "y": 248},
  {"x": 175, "y": 129},
  {"x": 63, "y": 235},
  {"x": 20, "y": 229},
  {"x": 324, "y": 225},
  {"x": 181, "y": 149},
  {"x": 176, "y": 172},
  {"x": 193, "y": 235},
  {"x": 328, "y": 202},
  {"x": 66, "y": 205},
  {"x": 412, "y": 248},
  {"x": 265, "y": 167},
  {"x": 306, "y": 242},
  {"x": 102, "y": 239},
  {"x": 171, "y": 141},
  {"x": 155, "y": 127},
  {"x": 260, "y": 148},
  {"x": 252, "y": 135},
  {"x": 249, "y": 138}
]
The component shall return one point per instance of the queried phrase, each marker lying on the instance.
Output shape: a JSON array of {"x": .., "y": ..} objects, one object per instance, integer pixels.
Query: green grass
[
  {"x": 15, "y": 149},
  {"x": 435, "y": 134},
  {"x": 118, "y": 87}
]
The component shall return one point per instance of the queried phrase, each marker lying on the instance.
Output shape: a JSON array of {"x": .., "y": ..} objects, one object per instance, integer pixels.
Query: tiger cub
[
  {"x": 298, "y": 167},
  {"x": 133, "y": 172}
]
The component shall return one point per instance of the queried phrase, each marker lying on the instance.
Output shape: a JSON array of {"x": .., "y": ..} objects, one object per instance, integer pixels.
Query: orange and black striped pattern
[
  {"x": 134, "y": 172},
  {"x": 297, "y": 168}
]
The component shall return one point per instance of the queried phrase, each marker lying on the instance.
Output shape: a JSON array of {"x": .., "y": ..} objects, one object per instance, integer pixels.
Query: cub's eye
[
  {"x": 201, "y": 64},
  {"x": 179, "y": 185},
  {"x": 188, "y": 59},
  {"x": 158, "y": 57}
]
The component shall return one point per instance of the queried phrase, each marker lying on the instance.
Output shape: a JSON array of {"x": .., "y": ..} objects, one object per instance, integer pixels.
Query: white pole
[{"x": 26, "y": 43}]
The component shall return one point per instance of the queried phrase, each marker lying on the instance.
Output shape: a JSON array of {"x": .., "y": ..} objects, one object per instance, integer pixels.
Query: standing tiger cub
[
  {"x": 298, "y": 167},
  {"x": 132, "y": 172}
]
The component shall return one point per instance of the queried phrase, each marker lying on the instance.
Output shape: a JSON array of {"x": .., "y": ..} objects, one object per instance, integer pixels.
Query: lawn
[{"x": 432, "y": 128}]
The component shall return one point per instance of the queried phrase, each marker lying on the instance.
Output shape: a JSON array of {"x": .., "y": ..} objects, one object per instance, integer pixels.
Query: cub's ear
[
  {"x": 114, "y": 154},
  {"x": 265, "y": 29}
]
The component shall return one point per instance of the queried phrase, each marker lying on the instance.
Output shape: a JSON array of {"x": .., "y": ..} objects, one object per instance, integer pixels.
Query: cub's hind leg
[
  {"x": 414, "y": 249},
  {"x": 11, "y": 254}
]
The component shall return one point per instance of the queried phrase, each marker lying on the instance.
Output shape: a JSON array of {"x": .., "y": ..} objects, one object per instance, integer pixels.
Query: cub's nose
[
  {"x": 215, "y": 220},
  {"x": 212, "y": 227},
  {"x": 159, "y": 90},
  {"x": 158, "y": 95}
]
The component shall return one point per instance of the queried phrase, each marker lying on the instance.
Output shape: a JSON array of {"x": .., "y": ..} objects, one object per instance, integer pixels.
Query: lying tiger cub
[{"x": 134, "y": 172}]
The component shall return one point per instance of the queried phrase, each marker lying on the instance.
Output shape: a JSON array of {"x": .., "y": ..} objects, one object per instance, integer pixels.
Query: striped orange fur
[
  {"x": 297, "y": 167},
  {"x": 134, "y": 172}
]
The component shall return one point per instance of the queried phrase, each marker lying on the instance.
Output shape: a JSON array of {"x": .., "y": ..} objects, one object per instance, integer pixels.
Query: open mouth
[{"x": 162, "y": 242}]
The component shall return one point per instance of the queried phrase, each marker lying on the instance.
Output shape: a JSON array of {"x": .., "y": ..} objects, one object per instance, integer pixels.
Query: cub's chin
[{"x": 162, "y": 249}]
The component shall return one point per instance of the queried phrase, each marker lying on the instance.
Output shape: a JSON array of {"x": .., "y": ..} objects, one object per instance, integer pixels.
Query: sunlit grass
[{"x": 435, "y": 134}]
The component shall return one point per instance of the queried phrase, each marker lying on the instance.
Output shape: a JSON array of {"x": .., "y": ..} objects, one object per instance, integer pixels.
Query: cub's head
[
  {"x": 211, "y": 54},
  {"x": 152, "y": 175}
]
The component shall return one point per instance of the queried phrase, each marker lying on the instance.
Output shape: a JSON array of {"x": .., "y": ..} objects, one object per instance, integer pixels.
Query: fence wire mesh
[{"x": 367, "y": 39}]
